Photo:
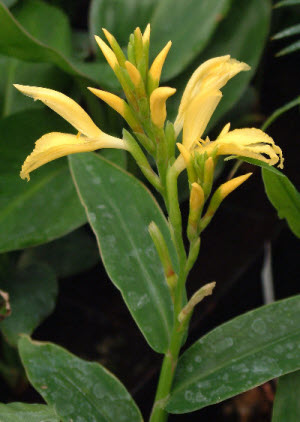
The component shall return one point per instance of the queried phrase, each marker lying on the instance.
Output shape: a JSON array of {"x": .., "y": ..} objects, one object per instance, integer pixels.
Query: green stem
[{"x": 159, "y": 414}]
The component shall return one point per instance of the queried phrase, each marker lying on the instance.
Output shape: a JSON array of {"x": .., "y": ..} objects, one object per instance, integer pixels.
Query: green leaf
[
  {"x": 290, "y": 49},
  {"x": 39, "y": 18},
  {"x": 23, "y": 73},
  {"x": 16, "y": 42},
  {"x": 78, "y": 390},
  {"x": 287, "y": 404},
  {"x": 32, "y": 294},
  {"x": 120, "y": 209},
  {"x": 69, "y": 255},
  {"x": 189, "y": 25},
  {"x": 120, "y": 17},
  {"x": 237, "y": 356},
  {"x": 284, "y": 197},
  {"x": 45, "y": 208},
  {"x": 288, "y": 32},
  {"x": 243, "y": 35},
  {"x": 287, "y": 3},
  {"x": 279, "y": 111},
  {"x": 22, "y": 412},
  {"x": 261, "y": 164}
]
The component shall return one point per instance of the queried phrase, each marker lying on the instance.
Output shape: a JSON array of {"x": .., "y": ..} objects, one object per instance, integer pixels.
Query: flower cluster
[{"x": 144, "y": 109}]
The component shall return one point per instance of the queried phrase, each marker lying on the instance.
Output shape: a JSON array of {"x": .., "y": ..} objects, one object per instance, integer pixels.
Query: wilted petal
[
  {"x": 55, "y": 145},
  {"x": 211, "y": 75},
  {"x": 65, "y": 107},
  {"x": 198, "y": 115}
]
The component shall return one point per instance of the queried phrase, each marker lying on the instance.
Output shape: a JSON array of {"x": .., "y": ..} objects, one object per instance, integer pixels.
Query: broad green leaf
[
  {"x": 243, "y": 35},
  {"x": 287, "y": 3},
  {"x": 189, "y": 25},
  {"x": 78, "y": 390},
  {"x": 288, "y": 32},
  {"x": 45, "y": 208},
  {"x": 238, "y": 355},
  {"x": 287, "y": 404},
  {"x": 284, "y": 197},
  {"x": 39, "y": 18},
  {"x": 120, "y": 17},
  {"x": 120, "y": 209},
  {"x": 24, "y": 73},
  {"x": 32, "y": 295},
  {"x": 69, "y": 255},
  {"x": 23, "y": 412},
  {"x": 290, "y": 49},
  {"x": 16, "y": 42}
]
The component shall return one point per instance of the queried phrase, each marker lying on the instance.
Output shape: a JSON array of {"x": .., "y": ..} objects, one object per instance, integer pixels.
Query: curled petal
[
  {"x": 158, "y": 100},
  {"x": 251, "y": 142},
  {"x": 65, "y": 107},
  {"x": 198, "y": 115},
  {"x": 211, "y": 75},
  {"x": 55, "y": 145}
]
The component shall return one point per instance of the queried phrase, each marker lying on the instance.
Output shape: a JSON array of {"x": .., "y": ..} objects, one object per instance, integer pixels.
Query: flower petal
[
  {"x": 211, "y": 75},
  {"x": 158, "y": 100},
  {"x": 55, "y": 145},
  {"x": 251, "y": 140},
  {"x": 198, "y": 115},
  {"x": 65, "y": 107}
]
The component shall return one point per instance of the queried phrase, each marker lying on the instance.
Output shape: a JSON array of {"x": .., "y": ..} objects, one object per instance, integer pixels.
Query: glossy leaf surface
[
  {"x": 23, "y": 412},
  {"x": 284, "y": 197},
  {"x": 32, "y": 295},
  {"x": 243, "y": 35},
  {"x": 16, "y": 42},
  {"x": 78, "y": 390},
  {"x": 120, "y": 209},
  {"x": 287, "y": 404},
  {"x": 45, "y": 208},
  {"x": 189, "y": 26},
  {"x": 238, "y": 355}
]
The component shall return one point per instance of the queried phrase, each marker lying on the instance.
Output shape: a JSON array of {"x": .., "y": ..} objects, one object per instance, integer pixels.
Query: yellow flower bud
[
  {"x": 156, "y": 68},
  {"x": 158, "y": 100}
]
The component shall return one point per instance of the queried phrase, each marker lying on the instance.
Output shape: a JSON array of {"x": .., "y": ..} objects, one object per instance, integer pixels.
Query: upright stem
[{"x": 159, "y": 414}]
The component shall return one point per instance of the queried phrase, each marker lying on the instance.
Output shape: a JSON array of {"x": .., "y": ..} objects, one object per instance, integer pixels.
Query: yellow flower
[
  {"x": 200, "y": 99},
  {"x": 55, "y": 145}
]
